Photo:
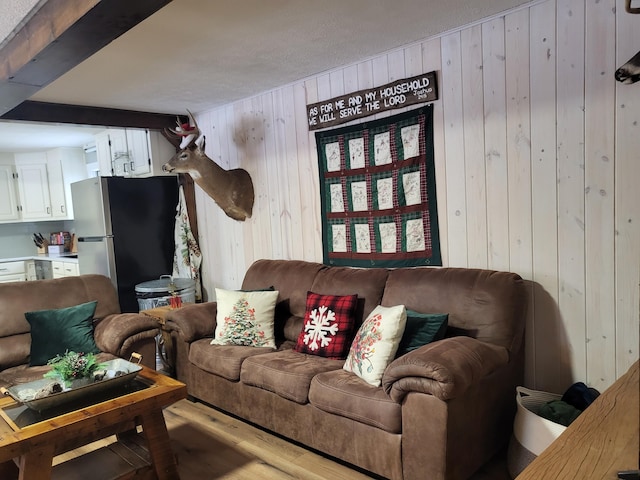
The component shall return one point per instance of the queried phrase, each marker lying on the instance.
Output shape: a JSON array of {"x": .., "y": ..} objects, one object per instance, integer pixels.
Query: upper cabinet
[
  {"x": 8, "y": 195},
  {"x": 132, "y": 152},
  {"x": 37, "y": 186},
  {"x": 64, "y": 166},
  {"x": 103, "y": 153},
  {"x": 33, "y": 186}
]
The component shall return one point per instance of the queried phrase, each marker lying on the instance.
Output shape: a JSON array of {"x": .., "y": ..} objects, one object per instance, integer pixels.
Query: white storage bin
[{"x": 531, "y": 432}]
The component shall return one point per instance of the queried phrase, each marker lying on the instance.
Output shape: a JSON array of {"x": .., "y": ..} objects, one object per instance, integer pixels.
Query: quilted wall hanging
[{"x": 378, "y": 192}]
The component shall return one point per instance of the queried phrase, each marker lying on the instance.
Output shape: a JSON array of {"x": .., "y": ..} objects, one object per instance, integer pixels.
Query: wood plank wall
[{"x": 537, "y": 164}]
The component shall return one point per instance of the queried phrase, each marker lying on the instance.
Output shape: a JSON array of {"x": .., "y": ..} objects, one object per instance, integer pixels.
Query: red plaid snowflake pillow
[{"x": 328, "y": 325}]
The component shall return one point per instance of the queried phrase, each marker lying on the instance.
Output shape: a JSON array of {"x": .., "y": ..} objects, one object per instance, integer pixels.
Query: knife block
[{"x": 44, "y": 249}]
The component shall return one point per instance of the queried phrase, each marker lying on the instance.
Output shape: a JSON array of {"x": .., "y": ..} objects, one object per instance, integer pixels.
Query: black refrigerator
[{"x": 125, "y": 230}]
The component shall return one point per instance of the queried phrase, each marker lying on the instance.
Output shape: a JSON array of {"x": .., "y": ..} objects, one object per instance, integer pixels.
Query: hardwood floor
[
  {"x": 213, "y": 446},
  {"x": 208, "y": 442}
]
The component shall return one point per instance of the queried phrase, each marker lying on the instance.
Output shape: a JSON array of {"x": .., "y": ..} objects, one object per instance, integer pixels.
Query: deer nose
[{"x": 620, "y": 74}]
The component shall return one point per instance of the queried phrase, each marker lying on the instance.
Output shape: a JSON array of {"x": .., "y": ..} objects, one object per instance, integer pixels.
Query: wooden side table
[{"x": 165, "y": 342}]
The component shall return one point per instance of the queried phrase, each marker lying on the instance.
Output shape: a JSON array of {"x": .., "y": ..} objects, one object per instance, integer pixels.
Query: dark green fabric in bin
[{"x": 559, "y": 412}]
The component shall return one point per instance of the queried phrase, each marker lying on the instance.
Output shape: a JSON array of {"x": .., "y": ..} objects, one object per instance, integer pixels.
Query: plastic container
[{"x": 158, "y": 293}]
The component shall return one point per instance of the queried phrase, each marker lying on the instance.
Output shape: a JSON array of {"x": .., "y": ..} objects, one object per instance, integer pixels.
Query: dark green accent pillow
[
  {"x": 267, "y": 289},
  {"x": 422, "y": 328},
  {"x": 53, "y": 332}
]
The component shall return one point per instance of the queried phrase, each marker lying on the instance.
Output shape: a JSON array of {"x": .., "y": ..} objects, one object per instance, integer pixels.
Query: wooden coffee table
[{"x": 32, "y": 443}]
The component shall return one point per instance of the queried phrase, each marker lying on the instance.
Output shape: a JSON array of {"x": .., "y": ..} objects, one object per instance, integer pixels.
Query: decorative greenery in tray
[{"x": 73, "y": 366}]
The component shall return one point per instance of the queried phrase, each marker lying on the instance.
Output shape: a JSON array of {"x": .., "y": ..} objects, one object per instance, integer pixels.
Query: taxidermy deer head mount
[
  {"x": 630, "y": 71},
  {"x": 232, "y": 190}
]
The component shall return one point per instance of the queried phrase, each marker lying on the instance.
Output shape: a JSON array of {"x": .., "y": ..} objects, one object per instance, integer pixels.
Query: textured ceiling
[
  {"x": 201, "y": 54},
  {"x": 14, "y": 12}
]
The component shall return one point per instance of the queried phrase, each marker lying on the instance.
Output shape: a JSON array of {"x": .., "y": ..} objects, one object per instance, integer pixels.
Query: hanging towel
[{"x": 187, "y": 256}]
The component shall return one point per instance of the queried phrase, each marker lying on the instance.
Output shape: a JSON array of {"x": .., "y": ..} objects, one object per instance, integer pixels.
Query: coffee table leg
[
  {"x": 9, "y": 470},
  {"x": 37, "y": 464},
  {"x": 155, "y": 431}
]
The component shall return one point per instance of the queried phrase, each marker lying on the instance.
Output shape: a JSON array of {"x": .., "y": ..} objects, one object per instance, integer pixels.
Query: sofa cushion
[
  {"x": 14, "y": 350},
  {"x": 376, "y": 342},
  {"x": 292, "y": 278},
  {"x": 342, "y": 393},
  {"x": 367, "y": 283},
  {"x": 421, "y": 329},
  {"x": 481, "y": 303},
  {"x": 286, "y": 373},
  {"x": 245, "y": 318},
  {"x": 222, "y": 360},
  {"x": 328, "y": 325},
  {"x": 53, "y": 332}
]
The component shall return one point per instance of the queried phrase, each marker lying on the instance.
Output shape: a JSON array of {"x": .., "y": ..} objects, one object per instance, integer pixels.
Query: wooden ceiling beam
[
  {"x": 99, "y": 116},
  {"x": 62, "y": 34}
]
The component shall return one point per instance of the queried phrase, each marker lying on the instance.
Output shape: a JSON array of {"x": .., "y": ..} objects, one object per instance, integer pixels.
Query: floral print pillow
[{"x": 376, "y": 342}]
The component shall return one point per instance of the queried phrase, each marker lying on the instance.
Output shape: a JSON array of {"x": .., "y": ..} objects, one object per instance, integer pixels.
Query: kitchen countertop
[{"x": 67, "y": 257}]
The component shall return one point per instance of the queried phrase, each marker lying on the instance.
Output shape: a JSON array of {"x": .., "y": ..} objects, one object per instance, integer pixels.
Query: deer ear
[{"x": 200, "y": 143}]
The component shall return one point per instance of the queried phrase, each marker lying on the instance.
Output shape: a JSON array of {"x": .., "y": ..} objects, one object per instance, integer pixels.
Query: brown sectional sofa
[
  {"x": 116, "y": 334},
  {"x": 442, "y": 411}
]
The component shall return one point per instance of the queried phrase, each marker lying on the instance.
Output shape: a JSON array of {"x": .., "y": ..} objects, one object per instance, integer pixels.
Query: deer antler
[{"x": 186, "y": 132}]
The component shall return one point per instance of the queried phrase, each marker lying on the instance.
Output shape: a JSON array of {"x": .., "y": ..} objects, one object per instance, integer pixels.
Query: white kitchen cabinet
[
  {"x": 30, "y": 270},
  {"x": 71, "y": 269},
  {"x": 140, "y": 157},
  {"x": 64, "y": 166},
  {"x": 132, "y": 152},
  {"x": 33, "y": 186},
  {"x": 120, "y": 153},
  {"x": 38, "y": 185},
  {"x": 61, "y": 269},
  {"x": 56, "y": 189},
  {"x": 103, "y": 154},
  {"x": 12, "y": 272},
  {"x": 8, "y": 194}
]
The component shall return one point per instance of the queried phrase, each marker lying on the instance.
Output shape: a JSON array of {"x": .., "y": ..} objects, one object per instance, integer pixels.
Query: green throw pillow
[
  {"x": 422, "y": 328},
  {"x": 53, "y": 332}
]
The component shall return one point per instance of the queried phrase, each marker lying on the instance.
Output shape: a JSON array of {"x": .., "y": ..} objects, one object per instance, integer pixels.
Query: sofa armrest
[
  {"x": 193, "y": 321},
  {"x": 444, "y": 369},
  {"x": 116, "y": 332}
]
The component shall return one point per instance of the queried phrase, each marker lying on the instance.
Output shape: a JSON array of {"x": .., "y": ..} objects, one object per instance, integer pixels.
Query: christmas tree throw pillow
[{"x": 245, "y": 318}]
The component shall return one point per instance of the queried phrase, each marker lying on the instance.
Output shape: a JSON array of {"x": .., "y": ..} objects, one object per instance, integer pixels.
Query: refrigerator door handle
[{"x": 94, "y": 239}]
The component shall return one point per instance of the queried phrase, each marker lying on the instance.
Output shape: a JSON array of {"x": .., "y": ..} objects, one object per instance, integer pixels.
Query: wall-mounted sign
[{"x": 401, "y": 93}]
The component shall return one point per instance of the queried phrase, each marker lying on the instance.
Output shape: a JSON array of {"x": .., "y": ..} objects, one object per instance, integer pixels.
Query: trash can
[{"x": 158, "y": 293}]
